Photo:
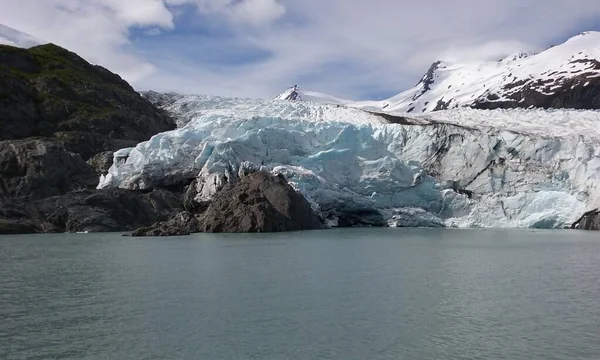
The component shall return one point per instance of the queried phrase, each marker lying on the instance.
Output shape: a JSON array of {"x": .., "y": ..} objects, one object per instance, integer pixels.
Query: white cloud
[
  {"x": 491, "y": 50},
  {"x": 95, "y": 29},
  {"x": 343, "y": 47}
]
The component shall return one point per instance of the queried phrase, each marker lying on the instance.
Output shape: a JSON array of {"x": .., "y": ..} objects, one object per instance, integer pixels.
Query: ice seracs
[{"x": 356, "y": 170}]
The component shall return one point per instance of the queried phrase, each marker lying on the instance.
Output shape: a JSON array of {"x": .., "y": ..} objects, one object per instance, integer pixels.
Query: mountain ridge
[{"x": 563, "y": 76}]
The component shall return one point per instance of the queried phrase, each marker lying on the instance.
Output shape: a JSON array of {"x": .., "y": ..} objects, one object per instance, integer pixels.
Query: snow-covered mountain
[
  {"x": 463, "y": 167},
  {"x": 563, "y": 76},
  {"x": 12, "y": 37}
]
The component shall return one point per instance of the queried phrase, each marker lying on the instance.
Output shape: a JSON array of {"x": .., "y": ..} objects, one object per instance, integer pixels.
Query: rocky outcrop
[
  {"x": 39, "y": 168},
  {"x": 589, "y": 221},
  {"x": 259, "y": 202},
  {"x": 88, "y": 211},
  {"x": 184, "y": 223}
]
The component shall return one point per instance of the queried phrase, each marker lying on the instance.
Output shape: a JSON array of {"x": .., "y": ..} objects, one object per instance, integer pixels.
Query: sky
[{"x": 353, "y": 49}]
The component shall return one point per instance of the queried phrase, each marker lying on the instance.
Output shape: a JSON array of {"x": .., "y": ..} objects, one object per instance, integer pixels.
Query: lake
[{"x": 335, "y": 294}]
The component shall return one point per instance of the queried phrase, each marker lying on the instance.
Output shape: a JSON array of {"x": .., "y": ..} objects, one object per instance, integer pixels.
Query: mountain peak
[
  {"x": 291, "y": 94},
  {"x": 589, "y": 33},
  {"x": 516, "y": 56}
]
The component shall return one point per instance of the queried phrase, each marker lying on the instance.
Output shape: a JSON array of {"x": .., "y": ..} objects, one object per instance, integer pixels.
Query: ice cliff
[{"x": 456, "y": 168}]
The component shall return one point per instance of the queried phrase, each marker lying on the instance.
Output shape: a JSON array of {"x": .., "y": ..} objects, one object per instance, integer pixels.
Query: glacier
[{"x": 456, "y": 168}]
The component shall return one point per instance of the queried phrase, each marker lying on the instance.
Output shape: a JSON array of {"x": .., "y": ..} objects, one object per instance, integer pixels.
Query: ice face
[{"x": 347, "y": 163}]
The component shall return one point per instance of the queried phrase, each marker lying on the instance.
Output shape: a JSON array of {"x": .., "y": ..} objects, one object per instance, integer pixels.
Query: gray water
[{"x": 339, "y": 294}]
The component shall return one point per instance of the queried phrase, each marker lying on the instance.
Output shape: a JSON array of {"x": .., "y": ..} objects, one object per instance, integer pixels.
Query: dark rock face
[
  {"x": 259, "y": 202},
  {"x": 589, "y": 221},
  {"x": 189, "y": 199},
  {"x": 39, "y": 168},
  {"x": 13, "y": 227},
  {"x": 49, "y": 91},
  {"x": 88, "y": 210},
  {"x": 580, "y": 92},
  {"x": 427, "y": 80},
  {"x": 184, "y": 223}
]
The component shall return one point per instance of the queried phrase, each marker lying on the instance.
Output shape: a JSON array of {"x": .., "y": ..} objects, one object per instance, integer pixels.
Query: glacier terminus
[
  {"x": 507, "y": 143},
  {"x": 455, "y": 168}
]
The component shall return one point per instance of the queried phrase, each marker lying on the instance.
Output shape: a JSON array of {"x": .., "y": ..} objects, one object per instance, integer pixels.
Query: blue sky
[{"x": 356, "y": 49}]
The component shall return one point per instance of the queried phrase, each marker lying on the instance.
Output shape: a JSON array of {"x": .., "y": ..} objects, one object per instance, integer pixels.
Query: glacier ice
[{"x": 350, "y": 164}]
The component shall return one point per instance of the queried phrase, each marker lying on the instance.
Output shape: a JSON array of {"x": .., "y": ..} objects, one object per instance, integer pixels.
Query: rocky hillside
[
  {"x": 61, "y": 117},
  {"x": 59, "y": 111},
  {"x": 47, "y": 91}
]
